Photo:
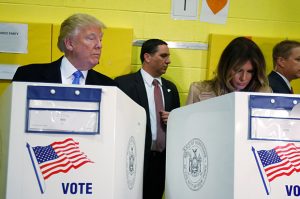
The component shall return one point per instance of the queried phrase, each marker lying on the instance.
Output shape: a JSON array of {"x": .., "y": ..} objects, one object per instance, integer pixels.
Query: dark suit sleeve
[
  {"x": 19, "y": 75},
  {"x": 173, "y": 100},
  {"x": 126, "y": 84},
  {"x": 176, "y": 97},
  {"x": 39, "y": 72},
  {"x": 96, "y": 78},
  {"x": 29, "y": 73}
]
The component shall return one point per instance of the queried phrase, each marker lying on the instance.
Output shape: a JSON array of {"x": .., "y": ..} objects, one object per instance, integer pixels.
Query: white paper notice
[
  {"x": 214, "y": 11},
  {"x": 63, "y": 121},
  {"x": 276, "y": 124},
  {"x": 13, "y": 38},
  {"x": 185, "y": 9},
  {"x": 7, "y": 71},
  {"x": 295, "y": 112}
]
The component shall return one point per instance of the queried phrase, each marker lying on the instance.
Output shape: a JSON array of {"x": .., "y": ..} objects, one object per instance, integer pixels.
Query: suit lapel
[
  {"x": 282, "y": 84},
  {"x": 167, "y": 95},
  {"x": 141, "y": 91},
  {"x": 89, "y": 78}
]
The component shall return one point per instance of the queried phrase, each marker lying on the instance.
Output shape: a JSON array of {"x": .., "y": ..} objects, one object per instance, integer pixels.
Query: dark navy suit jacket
[
  {"x": 50, "y": 73},
  {"x": 278, "y": 84}
]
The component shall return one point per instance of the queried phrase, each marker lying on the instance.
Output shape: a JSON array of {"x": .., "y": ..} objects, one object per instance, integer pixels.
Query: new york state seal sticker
[
  {"x": 131, "y": 163},
  {"x": 195, "y": 164}
]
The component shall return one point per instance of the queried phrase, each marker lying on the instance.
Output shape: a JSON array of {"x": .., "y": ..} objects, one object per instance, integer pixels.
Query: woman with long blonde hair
[{"x": 242, "y": 67}]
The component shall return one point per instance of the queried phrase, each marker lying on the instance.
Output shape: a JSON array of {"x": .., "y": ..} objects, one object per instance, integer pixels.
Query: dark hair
[
  {"x": 283, "y": 49},
  {"x": 150, "y": 47},
  {"x": 235, "y": 55}
]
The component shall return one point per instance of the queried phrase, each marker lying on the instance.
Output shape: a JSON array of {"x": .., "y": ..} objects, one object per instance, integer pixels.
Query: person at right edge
[
  {"x": 286, "y": 60},
  {"x": 144, "y": 87}
]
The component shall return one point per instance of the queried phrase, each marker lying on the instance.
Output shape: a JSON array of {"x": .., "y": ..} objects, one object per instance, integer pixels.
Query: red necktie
[{"x": 161, "y": 134}]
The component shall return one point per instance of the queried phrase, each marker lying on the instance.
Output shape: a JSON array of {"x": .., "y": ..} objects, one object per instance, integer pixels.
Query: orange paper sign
[{"x": 216, "y": 5}]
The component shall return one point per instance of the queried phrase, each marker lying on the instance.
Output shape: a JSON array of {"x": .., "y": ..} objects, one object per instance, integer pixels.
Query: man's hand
[{"x": 164, "y": 116}]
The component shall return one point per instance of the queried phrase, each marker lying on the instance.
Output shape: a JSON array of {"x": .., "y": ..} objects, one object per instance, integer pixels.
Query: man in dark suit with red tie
[
  {"x": 286, "y": 60},
  {"x": 80, "y": 40},
  {"x": 146, "y": 87}
]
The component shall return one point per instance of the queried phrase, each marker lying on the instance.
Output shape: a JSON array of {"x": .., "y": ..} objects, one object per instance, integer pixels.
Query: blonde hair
[
  {"x": 71, "y": 26},
  {"x": 235, "y": 55}
]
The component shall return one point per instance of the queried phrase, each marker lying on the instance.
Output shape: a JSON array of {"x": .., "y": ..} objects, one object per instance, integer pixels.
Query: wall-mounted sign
[
  {"x": 7, "y": 71},
  {"x": 185, "y": 9},
  {"x": 13, "y": 38},
  {"x": 214, "y": 11}
]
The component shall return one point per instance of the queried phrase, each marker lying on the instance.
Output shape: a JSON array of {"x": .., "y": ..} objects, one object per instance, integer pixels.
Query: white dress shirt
[
  {"x": 148, "y": 79},
  {"x": 67, "y": 70}
]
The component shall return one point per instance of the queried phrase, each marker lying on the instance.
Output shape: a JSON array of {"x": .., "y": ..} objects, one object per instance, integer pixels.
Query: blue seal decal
[
  {"x": 195, "y": 164},
  {"x": 131, "y": 162}
]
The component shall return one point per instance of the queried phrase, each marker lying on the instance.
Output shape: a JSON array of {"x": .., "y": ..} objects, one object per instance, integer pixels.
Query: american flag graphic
[
  {"x": 280, "y": 161},
  {"x": 59, "y": 157}
]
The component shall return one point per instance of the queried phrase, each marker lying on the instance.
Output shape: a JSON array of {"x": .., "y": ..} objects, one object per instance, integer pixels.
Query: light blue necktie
[{"x": 77, "y": 75}]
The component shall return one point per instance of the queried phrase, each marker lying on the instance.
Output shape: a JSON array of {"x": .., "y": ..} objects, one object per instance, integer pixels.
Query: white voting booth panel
[
  {"x": 62, "y": 148},
  {"x": 236, "y": 146}
]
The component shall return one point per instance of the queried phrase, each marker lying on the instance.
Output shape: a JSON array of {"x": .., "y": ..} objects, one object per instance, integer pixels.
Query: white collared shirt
[
  {"x": 67, "y": 70},
  {"x": 285, "y": 80},
  {"x": 148, "y": 79}
]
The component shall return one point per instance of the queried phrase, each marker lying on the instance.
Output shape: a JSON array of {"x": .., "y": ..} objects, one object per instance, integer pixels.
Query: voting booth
[
  {"x": 66, "y": 141},
  {"x": 236, "y": 146}
]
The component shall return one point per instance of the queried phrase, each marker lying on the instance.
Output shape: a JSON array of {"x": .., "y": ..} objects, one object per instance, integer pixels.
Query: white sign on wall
[
  {"x": 7, "y": 71},
  {"x": 214, "y": 11},
  {"x": 13, "y": 38},
  {"x": 185, "y": 9}
]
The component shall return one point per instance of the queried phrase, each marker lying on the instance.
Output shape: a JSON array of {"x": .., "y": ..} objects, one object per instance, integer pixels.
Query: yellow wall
[
  {"x": 38, "y": 52},
  {"x": 42, "y": 48},
  {"x": 151, "y": 19}
]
